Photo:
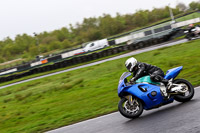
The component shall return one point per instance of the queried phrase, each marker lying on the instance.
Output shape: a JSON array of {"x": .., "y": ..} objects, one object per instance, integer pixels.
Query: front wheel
[
  {"x": 130, "y": 111},
  {"x": 188, "y": 95}
]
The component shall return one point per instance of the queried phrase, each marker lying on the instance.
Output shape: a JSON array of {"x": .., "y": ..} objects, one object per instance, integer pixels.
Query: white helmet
[{"x": 130, "y": 64}]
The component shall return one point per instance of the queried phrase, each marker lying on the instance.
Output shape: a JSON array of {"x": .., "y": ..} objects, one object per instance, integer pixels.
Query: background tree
[
  {"x": 194, "y": 5},
  {"x": 181, "y": 7}
]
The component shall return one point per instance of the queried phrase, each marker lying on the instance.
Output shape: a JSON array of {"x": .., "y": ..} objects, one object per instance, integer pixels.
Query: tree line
[{"x": 93, "y": 28}]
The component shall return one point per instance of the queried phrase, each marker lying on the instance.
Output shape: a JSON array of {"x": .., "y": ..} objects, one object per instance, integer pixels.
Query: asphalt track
[
  {"x": 172, "y": 118},
  {"x": 166, "y": 44}
]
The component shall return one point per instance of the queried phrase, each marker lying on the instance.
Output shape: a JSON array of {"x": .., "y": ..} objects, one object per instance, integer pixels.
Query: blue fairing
[
  {"x": 172, "y": 73},
  {"x": 148, "y": 100},
  {"x": 135, "y": 90}
]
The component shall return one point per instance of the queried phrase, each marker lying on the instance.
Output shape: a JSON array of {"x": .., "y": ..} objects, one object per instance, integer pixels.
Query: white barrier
[
  {"x": 184, "y": 23},
  {"x": 9, "y": 71},
  {"x": 36, "y": 63},
  {"x": 123, "y": 39},
  {"x": 71, "y": 53},
  {"x": 138, "y": 35}
]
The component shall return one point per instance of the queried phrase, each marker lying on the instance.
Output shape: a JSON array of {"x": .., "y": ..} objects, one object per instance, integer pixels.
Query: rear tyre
[
  {"x": 130, "y": 111},
  {"x": 188, "y": 37},
  {"x": 186, "y": 96}
]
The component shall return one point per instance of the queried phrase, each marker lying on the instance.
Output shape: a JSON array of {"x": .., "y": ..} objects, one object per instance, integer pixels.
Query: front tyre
[
  {"x": 187, "y": 95},
  {"x": 130, "y": 111}
]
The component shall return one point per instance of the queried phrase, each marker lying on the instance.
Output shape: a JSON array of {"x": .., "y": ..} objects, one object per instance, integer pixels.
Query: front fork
[{"x": 130, "y": 99}]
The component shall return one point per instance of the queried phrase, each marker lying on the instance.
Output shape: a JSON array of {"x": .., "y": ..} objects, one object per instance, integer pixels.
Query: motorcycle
[
  {"x": 146, "y": 94},
  {"x": 192, "y": 33}
]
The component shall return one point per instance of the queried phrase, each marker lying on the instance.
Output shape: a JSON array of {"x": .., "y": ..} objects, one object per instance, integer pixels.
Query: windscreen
[{"x": 124, "y": 75}]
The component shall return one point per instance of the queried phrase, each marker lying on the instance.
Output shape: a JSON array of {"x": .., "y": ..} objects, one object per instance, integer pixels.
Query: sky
[{"x": 29, "y": 16}]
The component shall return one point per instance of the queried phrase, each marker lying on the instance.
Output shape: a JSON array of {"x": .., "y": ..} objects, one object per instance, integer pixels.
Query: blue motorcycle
[{"x": 146, "y": 94}]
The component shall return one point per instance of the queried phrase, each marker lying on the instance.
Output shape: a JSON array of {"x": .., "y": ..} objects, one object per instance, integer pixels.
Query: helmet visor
[{"x": 129, "y": 67}]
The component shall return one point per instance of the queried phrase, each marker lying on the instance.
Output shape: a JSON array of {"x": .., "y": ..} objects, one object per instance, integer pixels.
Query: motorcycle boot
[
  {"x": 168, "y": 85},
  {"x": 165, "y": 81}
]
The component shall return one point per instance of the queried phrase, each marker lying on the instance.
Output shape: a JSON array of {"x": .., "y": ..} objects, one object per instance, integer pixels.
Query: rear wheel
[
  {"x": 188, "y": 36},
  {"x": 188, "y": 95},
  {"x": 130, "y": 111}
]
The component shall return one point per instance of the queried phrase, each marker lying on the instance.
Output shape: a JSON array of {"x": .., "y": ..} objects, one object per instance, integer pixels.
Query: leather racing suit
[{"x": 143, "y": 69}]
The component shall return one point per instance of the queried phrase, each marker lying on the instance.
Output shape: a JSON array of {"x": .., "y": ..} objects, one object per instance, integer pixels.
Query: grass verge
[
  {"x": 74, "y": 96},
  {"x": 59, "y": 69}
]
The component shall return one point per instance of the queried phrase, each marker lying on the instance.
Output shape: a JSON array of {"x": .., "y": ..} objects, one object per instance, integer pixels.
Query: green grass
[
  {"x": 191, "y": 16},
  {"x": 74, "y": 96}
]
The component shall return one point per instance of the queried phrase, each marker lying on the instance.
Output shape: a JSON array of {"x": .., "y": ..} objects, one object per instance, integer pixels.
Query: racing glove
[{"x": 132, "y": 80}]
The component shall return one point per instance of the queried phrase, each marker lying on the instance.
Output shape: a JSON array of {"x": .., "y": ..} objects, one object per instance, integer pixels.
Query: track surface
[
  {"x": 172, "y": 118},
  {"x": 102, "y": 61}
]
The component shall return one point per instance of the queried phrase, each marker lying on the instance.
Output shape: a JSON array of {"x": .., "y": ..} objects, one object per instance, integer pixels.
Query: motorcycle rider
[
  {"x": 190, "y": 27},
  {"x": 140, "y": 69}
]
